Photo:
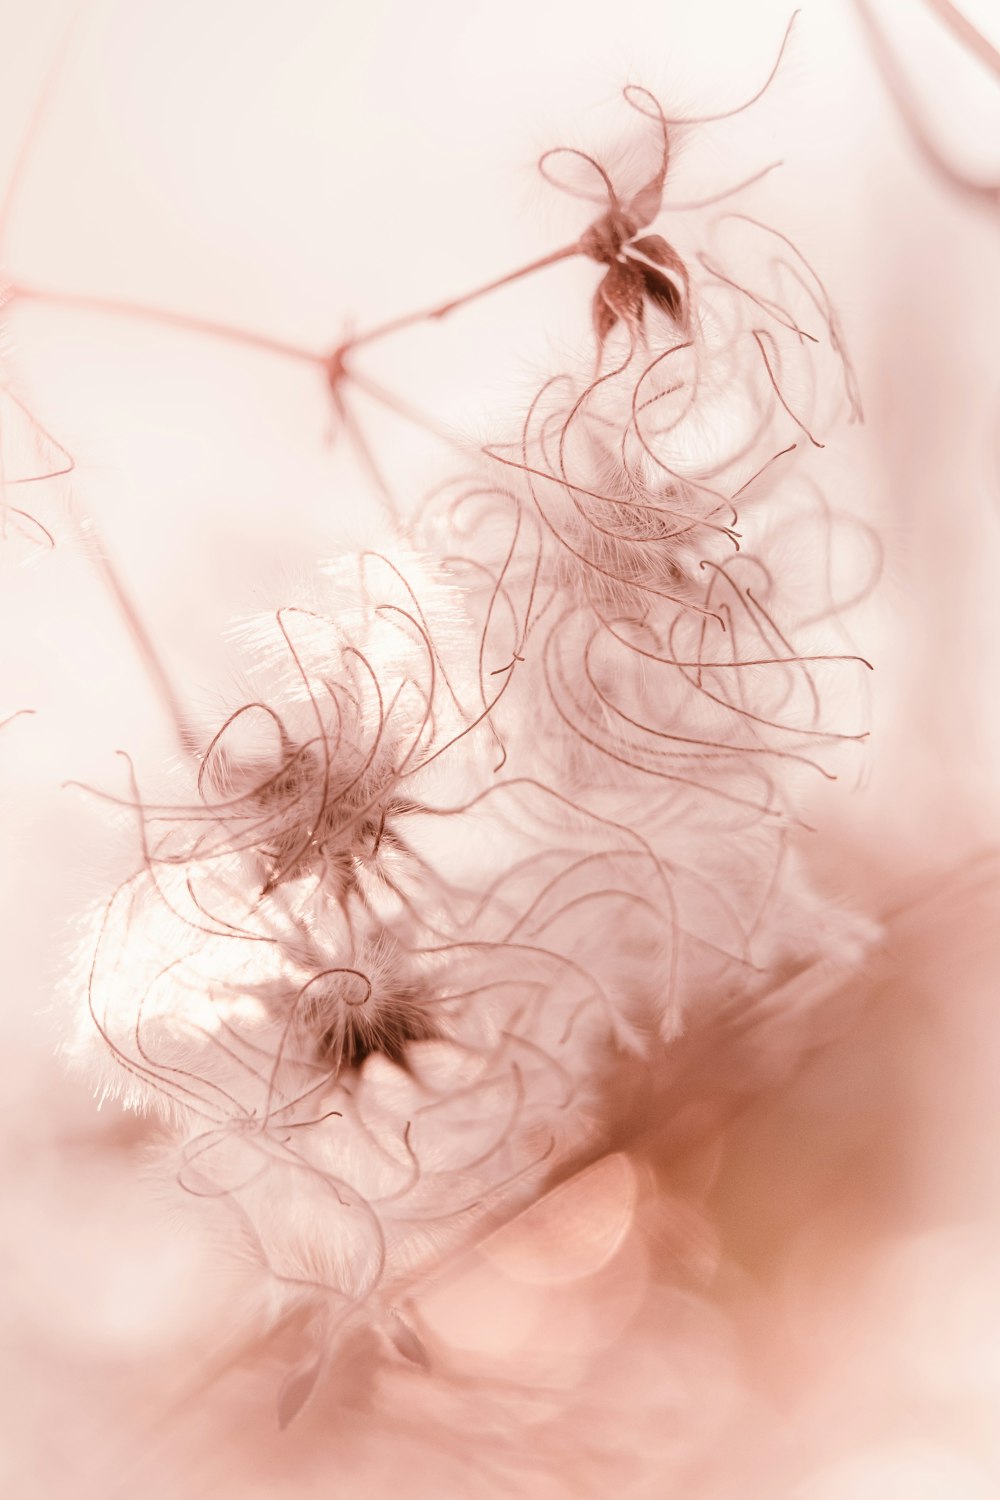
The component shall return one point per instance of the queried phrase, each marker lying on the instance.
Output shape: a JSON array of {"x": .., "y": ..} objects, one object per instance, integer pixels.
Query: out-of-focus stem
[
  {"x": 970, "y": 35},
  {"x": 141, "y": 637},
  {"x": 895, "y": 80}
]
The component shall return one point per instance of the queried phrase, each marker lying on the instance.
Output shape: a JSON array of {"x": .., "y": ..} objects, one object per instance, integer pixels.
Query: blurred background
[{"x": 826, "y": 1322}]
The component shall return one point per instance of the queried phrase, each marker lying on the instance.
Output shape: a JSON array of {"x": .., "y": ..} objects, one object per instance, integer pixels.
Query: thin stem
[
  {"x": 185, "y": 322},
  {"x": 404, "y": 409},
  {"x": 141, "y": 637},
  {"x": 396, "y": 325},
  {"x": 333, "y": 363},
  {"x": 359, "y": 443}
]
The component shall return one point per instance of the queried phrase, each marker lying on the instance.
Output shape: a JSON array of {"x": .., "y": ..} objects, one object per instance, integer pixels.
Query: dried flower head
[{"x": 507, "y": 799}]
